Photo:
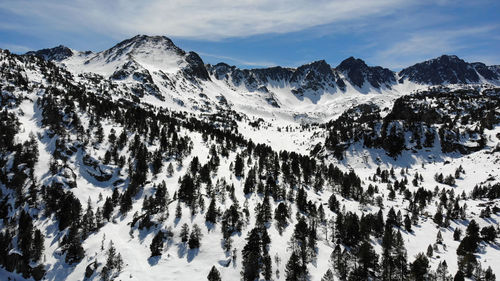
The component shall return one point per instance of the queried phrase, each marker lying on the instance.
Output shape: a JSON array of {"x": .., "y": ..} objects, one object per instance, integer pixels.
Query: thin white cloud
[
  {"x": 15, "y": 48},
  {"x": 430, "y": 43},
  {"x": 199, "y": 19},
  {"x": 238, "y": 60}
]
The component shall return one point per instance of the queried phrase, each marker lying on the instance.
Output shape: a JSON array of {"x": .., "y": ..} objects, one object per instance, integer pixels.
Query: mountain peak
[
  {"x": 321, "y": 66},
  {"x": 350, "y": 63},
  {"x": 146, "y": 42},
  {"x": 57, "y": 53},
  {"x": 441, "y": 70},
  {"x": 156, "y": 39},
  {"x": 357, "y": 71}
]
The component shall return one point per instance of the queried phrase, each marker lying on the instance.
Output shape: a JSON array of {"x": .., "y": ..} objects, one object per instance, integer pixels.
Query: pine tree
[
  {"x": 400, "y": 258},
  {"x": 251, "y": 256},
  {"x": 239, "y": 166},
  {"x": 419, "y": 268},
  {"x": 367, "y": 259},
  {"x": 38, "y": 245},
  {"x": 88, "y": 221},
  {"x": 457, "y": 233},
  {"x": 407, "y": 223},
  {"x": 184, "y": 234},
  {"x": 442, "y": 272},
  {"x": 126, "y": 200},
  {"x": 489, "y": 275},
  {"x": 214, "y": 274},
  {"x": 328, "y": 276},
  {"x": 114, "y": 261},
  {"x": 281, "y": 216},
  {"x": 211, "y": 215},
  {"x": 439, "y": 237},
  {"x": 178, "y": 211},
  {"x": 295, "y": 270},
  {"x": 157, "y": 244},
  {"x": 73, "y": 245},
  {"x": 25, "y": 238},
  {"x": 459, "y": 276},
  {"x": 387, "y": 258},
  {"x": 187, "y": 190},
  {"x": 429, "y": 251},
  {"x": 195, "y": 237},
  {"x": 170, "y": 170}
]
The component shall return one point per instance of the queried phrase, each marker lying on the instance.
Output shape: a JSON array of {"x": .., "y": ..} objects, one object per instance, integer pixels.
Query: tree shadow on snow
[
  {"x": 154, "y": 260},
  {"x": 210, "y": 226},
  {"x": 192, "y": 254},
  {"x": 176, "y": 221},
  {"x": 181, "y": 250},
  {"x": 225, "y": 263}
]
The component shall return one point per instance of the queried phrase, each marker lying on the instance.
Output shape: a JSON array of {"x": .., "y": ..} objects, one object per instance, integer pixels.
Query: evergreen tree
[
  {"x": 113, "y": 262},
  {"x": 195, "y": 237},
  {"x": 489, "y": 275},
  {"x": 170, "y": 169},
  {"x": 367, "y": 259},
  {"x": 211, "y": 215},
  {"x": 400, "y": 258},
  {"x": 25, "y": 237},
  {"x": 238, "y": 166},
  {"x": 459, "y": 276},
  {"x": 107, "y": 209},
  {"x": 38, "y": 245},
  {"x": 295, "y": 270},
  {"x": 429, "y": 251},
  {"x": 214, "y": 274},
  {"x": 419, "y": 268},
  {"x": 407, "y": 223},
  {"x": 251, "y": 256},
  {"x": 442, "y": 272},
  {"x": 387, "y": 257},
  {"x": 328, "y": 276},
  {"x": 281, "y": 216},
  {"x": 73, "y": 245},
  {"x": 187, "y": 190},
  {"x": 184, "y": 234},
  {"x": 157, "y": 244}
]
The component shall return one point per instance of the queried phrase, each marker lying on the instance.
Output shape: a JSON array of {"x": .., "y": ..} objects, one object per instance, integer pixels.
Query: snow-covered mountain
[
  {"x": 141, "y": 162},
  {"x": 152, "y": 66},
  {"x": 449, "y": 70}
]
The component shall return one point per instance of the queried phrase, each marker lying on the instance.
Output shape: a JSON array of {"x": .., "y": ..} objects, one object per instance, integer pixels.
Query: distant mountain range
[
  {"x": 446, "y": 69},
  {"x": 155, "y": 66}
]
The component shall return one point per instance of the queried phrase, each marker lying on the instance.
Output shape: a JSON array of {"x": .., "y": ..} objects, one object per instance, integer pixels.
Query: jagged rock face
[
  {"x": 58, "y": 53},
  {"x": 488, "y": 72},
  {"x": 276, "y": 73},
  {"x": 314, "y": 73},
  {"x": 220, "y": 71},
  {"x": 442, "y": 70},
  {"x": 316, "y": 76},
  {"x": 358, "y": 72},
  {"x": 250, "y": 77},
  {"x": 196, "y": 67},
  {"x": 309, "y": 77}
]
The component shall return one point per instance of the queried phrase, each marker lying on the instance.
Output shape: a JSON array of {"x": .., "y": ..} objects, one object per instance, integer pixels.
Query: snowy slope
[{"x": 158, "y": 96}]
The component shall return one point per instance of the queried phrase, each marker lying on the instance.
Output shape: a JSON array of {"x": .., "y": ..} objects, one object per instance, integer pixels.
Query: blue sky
[{"x": 260, "y": 33}]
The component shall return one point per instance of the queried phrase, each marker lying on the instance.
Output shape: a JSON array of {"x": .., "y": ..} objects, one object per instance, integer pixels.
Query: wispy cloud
[
  {"x": 430, "y": 43},
  {"x": 15, "y": 48},
  {"x": 238, "y": 61},
  {"x": 199, "y": 19}
]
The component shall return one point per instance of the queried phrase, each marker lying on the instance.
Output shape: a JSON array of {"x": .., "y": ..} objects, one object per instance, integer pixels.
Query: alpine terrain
[{"x": 142, "y": 162}]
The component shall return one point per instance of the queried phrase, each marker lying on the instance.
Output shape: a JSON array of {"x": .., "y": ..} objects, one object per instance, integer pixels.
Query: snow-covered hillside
[{"x": 142, "y": 163}]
